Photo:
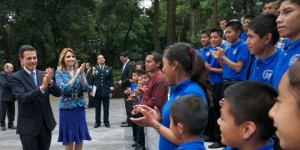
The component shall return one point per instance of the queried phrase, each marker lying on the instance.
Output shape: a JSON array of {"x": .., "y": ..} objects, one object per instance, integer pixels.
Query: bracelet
[{"x": 157, "y": 127}]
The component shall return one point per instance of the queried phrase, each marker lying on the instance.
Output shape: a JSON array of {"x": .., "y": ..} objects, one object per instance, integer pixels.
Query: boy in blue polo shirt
[
  {"x": 188, "y": 117},
  {"x": 206, "y": 46},
  {"x": 244, "y": 121},
  {"x": 235, "y": 59},
  {"x": 216, "y": 77},
  {"x": 288, "y": 26},
  {"x": 262, "y": 37}
]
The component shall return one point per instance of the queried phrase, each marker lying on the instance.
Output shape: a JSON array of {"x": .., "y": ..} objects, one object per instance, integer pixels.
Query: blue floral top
[{"x": 67, "y": 101}]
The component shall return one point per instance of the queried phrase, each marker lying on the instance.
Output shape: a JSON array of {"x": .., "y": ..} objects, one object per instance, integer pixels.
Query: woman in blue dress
[
  {"x": 72, "y": 119},
  {"x": 185, "y": 71}
]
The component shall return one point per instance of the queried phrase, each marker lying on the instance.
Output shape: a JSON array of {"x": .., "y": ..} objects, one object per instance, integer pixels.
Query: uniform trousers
[
  {"x": 98, "y": 101},
  {"x": 7, "y": 107}
]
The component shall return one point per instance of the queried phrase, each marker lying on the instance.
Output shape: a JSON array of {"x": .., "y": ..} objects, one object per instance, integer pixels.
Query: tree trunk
[
  {"x": 171, "y": 21},
  {"x": 192, "y": 24},
  {"x": 155, "y": 27},
  {"x": 128, "y": 31}
]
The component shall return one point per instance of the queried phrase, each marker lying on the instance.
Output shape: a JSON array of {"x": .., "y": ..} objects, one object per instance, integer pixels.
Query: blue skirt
[{"x": 73, "y": 126}]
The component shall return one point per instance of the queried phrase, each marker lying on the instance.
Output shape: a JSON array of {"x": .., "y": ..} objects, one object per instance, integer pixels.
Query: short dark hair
[
  {"x": 207, "y": 32},
  {"x": 248, "y": 17},
  {"x": 141, "y": 63},
  {"x": 223, "y": 20},
  {"x": 235, "y": 25},
  {"x": 251, "y": 101},
  {"x": 218, "y": 31},
  {"x": 191, "y": 111},
  {"x": 268, "y": 1},
  {"x": 157, "y": 57},
  {"x": 264, "y": 24},
  {"x": 146, "y": 73},
  {"x": 124, "y": 54},
  {"x": 24, "y": 48},
  {"x": 294, "y": 80}
]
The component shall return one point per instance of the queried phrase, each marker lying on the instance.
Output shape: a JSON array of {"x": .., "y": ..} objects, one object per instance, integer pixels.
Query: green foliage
[{"x": 107, "y": 27}]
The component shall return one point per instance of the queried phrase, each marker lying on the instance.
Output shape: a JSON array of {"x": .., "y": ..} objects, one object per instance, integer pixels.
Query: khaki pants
[{"x": 151, "y": 138}]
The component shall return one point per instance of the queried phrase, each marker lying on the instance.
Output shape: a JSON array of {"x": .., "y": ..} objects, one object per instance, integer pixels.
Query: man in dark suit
[
  {"x": 7, "y": 99},
  {"x": 127, "y": 70},
  {"x": 88, "y": 75},
  {"x": 104, "y": 81},
  {"x": 31, "y": 87}
]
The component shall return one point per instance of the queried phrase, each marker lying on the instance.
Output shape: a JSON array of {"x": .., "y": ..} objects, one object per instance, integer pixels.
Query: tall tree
[
  {"x": 171, "y": 21},
  {"x": 156, "y": 26}
]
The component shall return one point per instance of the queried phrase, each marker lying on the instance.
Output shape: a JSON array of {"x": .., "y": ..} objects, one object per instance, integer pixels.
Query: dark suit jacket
[
  {"x": 88, "y": 76},
  {"x": 33, "y": 105},
  {"x": 103, "y": 80},
  {"x": 5, "y": 91},
  {"x": 126, "y": 75}
]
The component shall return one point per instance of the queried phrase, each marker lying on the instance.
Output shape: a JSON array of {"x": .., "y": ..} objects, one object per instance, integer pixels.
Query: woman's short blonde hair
[{"x": 61, "y": 63}]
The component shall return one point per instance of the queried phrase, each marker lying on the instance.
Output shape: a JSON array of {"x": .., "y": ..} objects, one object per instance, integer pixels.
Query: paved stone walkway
[{"x": 113, "y": 138}]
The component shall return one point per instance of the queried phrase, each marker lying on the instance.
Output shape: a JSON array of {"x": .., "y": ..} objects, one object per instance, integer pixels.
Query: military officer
[{"x": 103, "y": 81}]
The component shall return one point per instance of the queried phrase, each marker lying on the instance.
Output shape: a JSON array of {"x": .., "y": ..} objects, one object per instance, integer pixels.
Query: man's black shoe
[
  {"x": 96, "y": 125},
  {"x": 134, "y": 145},
  {"x": 124, "y": 122},
  {"x": 12, "y": 127},
  {"x": 107, "y": 125},
  {"x": 3, "y": 128},
  {"x": 139, "y": 147},
  {"x": 216, "y": 145},
  {"x": 126, "y": 125}
]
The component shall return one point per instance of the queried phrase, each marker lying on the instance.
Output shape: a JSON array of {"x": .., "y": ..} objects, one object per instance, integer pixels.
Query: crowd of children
[{"x": 261, "y": 51}]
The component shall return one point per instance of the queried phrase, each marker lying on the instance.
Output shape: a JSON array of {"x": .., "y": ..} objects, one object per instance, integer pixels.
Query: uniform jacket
[
  {"x": 33, "y": 105},
  {"x": 104, "y": 81},
  {"x": 5, "y": 91}
]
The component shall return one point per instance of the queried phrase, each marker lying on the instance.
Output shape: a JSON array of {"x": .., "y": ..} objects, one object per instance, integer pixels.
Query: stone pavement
[{"x": 113, "y": 138}]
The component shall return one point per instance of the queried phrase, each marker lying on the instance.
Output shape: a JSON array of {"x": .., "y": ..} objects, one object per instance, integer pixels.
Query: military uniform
[{"x": 103, "y": 79}]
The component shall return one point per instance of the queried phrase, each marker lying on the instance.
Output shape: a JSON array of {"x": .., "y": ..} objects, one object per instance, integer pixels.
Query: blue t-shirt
[
  {"x": 287, "y": 58},
  {"x": 270, "y": 146},
  {"x": 184, "y": 88},
  {"x": 244, "y": 36},
  {"x": 237, "y": 52},
  {"x": 206, "y": 56},
  {"x": 263, "y": 70},
  {"x": 133, "y": 86},
  {"x": 205, "y": 52},
  {"x": 192, "y": 145}
]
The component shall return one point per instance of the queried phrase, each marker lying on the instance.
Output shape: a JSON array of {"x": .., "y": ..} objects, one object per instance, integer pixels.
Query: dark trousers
[
  {"x": 91, "y": 101},
  {"x": 128, "y": 107},
  {"x": 41, "y": 141},
  {"x": 98, "y": 101},
  {"x": 7, "y": 107},
  {"x": 217, "y": 96}
]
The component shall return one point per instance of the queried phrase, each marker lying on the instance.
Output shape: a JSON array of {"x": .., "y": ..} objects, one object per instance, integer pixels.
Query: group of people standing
[{"x": 207, "y": 88}]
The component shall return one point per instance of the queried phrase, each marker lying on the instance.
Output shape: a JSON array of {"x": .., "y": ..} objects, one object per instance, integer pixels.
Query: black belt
[
  {"x": 79, "y": 95},
  {"x": 227, "y": 81}
]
